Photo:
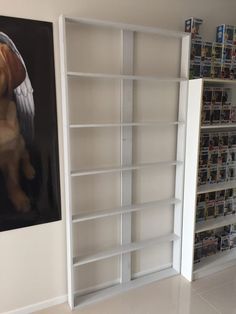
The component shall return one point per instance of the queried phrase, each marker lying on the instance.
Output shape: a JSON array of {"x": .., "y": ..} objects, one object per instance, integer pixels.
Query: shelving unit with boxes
[
  {"x": 210, "y": 178},
  {"x": 124, "y": 111}
]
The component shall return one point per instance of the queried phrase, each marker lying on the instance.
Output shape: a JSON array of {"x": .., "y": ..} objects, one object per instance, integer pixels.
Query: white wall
[{"x": 32, "y": 260}]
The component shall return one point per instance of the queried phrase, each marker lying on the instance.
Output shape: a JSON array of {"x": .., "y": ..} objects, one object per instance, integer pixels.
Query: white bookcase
[
  {"x": 220, "y": 260},
  {"x": 80, "y": 73}
]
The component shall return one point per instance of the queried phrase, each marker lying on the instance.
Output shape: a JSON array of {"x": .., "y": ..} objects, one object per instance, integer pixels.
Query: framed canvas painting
[{"x": 29, "y": 161}]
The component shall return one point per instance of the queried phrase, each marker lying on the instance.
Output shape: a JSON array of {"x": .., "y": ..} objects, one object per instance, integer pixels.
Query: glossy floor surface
[{"x": 211, "y": 295}]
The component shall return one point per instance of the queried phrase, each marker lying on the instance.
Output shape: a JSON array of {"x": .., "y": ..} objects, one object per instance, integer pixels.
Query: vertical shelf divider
[
  {"x": 180, "y": 151},
  {"x": 67, "y": 166},
  {"x": 127, "y": 42}
]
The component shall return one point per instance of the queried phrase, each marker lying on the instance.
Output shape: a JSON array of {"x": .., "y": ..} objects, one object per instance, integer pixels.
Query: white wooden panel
[
  {"x": 127, "y": 38},
  {"x": 180, "y": 151},
  {"x": 191, "y": 167},
  {"x": 66, "y": 144}
]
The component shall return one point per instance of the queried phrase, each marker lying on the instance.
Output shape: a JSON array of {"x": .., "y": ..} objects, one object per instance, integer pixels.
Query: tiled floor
[{"x": 211, "y": 295}]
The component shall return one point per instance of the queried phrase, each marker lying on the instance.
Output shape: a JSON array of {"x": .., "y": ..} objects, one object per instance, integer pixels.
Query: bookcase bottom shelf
[
  {"x": 81, "y": 301},
  {"x": 215, "y": 263}
]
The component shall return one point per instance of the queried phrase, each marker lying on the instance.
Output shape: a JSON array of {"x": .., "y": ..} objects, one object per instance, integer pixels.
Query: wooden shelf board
[
  {"x": 216, "y": 187},
  {"x": 215, "y": 223},
  {"x": 111, "y": 125},
  {"x": 125, "y": 77},
  {"x": 122, "y": 249},
  {"x": 122, "y": 210},
  {"x": 127, "y": 168}
]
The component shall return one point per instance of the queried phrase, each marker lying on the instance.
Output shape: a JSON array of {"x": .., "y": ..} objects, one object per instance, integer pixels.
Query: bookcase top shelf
[
  {"x": 213, "y": 81},
  {"x": 129, "y": 27}
]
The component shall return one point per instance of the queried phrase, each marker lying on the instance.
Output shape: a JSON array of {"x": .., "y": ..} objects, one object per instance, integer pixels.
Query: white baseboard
[{"x": 39, "y": 306}]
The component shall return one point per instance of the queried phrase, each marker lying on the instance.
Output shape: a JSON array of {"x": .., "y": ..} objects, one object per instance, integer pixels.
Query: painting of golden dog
[
  {"x": 29, "y": 161},
  {"x": 12, "y": 145}
]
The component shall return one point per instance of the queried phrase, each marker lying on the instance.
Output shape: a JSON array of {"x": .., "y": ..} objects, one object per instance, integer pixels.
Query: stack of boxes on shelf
[
  {"x": 217, "y": 157},
  {"x": 212, "y": 59},
  {"x": 215, "y": 204},
  {"x": 213, "y": 241},
  {"x": 217, "y": 106}
]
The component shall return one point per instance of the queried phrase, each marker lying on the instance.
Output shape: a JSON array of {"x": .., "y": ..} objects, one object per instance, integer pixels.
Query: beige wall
[{"x": 32, "y": 260}]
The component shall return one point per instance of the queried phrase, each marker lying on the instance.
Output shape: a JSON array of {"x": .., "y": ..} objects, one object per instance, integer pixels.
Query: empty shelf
[
  {"x": 110, "y": 125},
  {"x": 125, "y": 77},
  {"x": 121, "y": 249},
  {"x": 127, "y": 168},
  {"x": 122, "y": 210},
  {"x": 215, "y": 223},
  {"x": 130, "y": 27}
]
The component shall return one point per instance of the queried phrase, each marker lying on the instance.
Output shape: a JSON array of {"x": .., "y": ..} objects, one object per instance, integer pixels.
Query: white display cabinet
[
  {"x": 124, "y": 112},
  {"x": 220, "y": 260}
]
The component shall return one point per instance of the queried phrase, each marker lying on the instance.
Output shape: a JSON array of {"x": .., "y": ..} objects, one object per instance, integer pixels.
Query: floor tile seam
[{"x": 210, "y": 304}]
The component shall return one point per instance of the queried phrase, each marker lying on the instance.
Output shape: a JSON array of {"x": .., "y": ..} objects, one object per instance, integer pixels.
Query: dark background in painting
[{"x": 34, "y": 40}]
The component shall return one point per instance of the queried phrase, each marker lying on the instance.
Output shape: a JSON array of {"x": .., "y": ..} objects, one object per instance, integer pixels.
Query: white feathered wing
[{"x": 24, "y": 96}]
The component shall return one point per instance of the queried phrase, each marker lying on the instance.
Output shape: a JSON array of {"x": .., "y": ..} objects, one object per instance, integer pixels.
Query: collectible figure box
[
  {"x": 216, "y": 113},
  {"x": 203, "y": 159},
  {"x": 225, "y": 71},
  {"x": 224, "y": 241},
  {"x": 195, "y": 69},
  {"x": 219, "y": 208},
  {"x": 223, "y": 140},
  {"x": 228, "y": 207},
  {"x": 232, "y": 139},
  {"x": 233, "y": 114},
  {"x": 192, "y": 26},
  {"x": 231, "y": 173},
  {"x": 207, "y": 95},
  {"x": 226, "y": 114},
  {"x": 206, "y": 70},
  {"x": 232, "y": 156},
  {"x": 223, "y": 158},
  {"x": 205, "y": 141},
  {"x": 225, "y": 34},
  {"x": 216, "y": 70},
  {"x": 217, "y": 94},
  {"x": 209, "y": 246},
  {"x": 201, "y": 212},
  {"x": 214, "y": 141},
  {"x": 213, "y": 158},
  {"x": 213, "y": 175},
  {"x": 196, "y": 50},
  {"x": 197, "y": 252},
  {"x": 222, "y": 174},
  {"x": 202, "y": 176},
  {"x": 210, "y": 211},
  {"x": 220, "y": 195},
  {"x": 206, "y": 52},
  {"x": 227, "y": 96},
  {"x": 217, "y": 51},
  {"x": 206, "y": 113},
  {"x": 227, "y": 54}
]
